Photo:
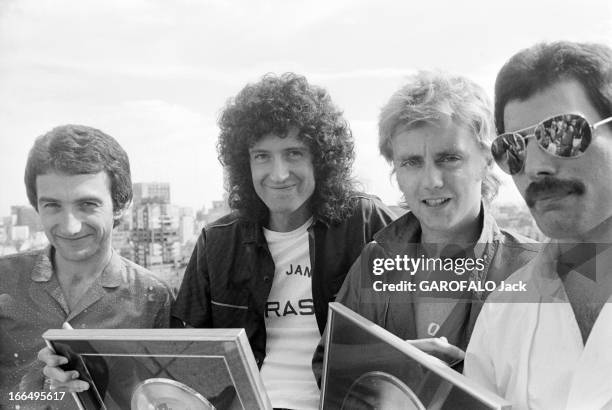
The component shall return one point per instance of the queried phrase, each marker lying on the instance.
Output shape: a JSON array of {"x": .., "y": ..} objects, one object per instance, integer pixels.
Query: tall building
[
  {"x": 8, "y": 221},
  {"x": 187, "y": 225},
  {"x": 26, "y": 216},
  {"x": 151, "y": 192},
  {"x": 155, "y": 225},
  {"x": 219, "y": 209},
  {"x": 19, "y": 233},
  {"x": 3, "y": 234}
]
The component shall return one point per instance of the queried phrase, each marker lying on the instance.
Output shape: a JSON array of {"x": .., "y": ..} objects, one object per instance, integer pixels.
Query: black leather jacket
[
  {"x": 229, "y": 276},
  {"x": 504, "y": 253}
]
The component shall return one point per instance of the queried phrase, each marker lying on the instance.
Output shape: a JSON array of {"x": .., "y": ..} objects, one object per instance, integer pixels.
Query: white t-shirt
[{"x": 291, "y": 325}]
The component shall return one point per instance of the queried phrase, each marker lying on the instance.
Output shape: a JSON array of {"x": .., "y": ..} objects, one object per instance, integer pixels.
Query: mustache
[{"x": 550, "y": 186}]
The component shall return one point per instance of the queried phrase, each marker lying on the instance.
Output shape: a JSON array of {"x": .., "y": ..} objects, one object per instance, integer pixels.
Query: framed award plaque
[
  {"x": 367, "y": 367},
  {"x": 162, "y": 369}
]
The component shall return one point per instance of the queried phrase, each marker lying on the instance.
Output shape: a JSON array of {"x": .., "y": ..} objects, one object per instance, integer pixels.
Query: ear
[
  {"x": 118, "y": 213},
  {"x": 487, "y": 167},
  {"x": 487, "y": 160}
]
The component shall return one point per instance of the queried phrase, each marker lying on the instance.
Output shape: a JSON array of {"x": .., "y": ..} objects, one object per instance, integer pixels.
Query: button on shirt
[{"x": 124, "y": 295}]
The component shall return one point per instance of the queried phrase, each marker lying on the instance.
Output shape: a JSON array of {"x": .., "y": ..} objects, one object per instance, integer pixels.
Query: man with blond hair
[{"x": 435, "y": 131}]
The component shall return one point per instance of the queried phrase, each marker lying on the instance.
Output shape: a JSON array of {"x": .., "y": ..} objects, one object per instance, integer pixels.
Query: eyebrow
[
  {"x": 297, "y": 148},
  {"x": 294, "y": 148},
  {"x": 46, "y": 199},
  {"x": 449, "y": 152},
  {"x": 82, "y": 199},
  {"x": 437, "y": 155},
  {"x": 406, "y": 157},
  {"x": 89, "y": 199}
]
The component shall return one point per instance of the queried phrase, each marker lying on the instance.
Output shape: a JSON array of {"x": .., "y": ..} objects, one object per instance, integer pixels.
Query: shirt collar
[
  {"x": 544, "y": 272},
  {"x": 406, "y": 230},
  {"x": 489, "y": 231},
  {"x": 113, "y": 272},
  {"x": 111, "y": 276},
  {"x": 253, "y": 231},
  {"x": 43, "y": 267}
]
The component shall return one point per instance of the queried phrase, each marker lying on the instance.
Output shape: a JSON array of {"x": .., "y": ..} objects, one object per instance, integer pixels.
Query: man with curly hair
[{"x": 272, "y": 265}]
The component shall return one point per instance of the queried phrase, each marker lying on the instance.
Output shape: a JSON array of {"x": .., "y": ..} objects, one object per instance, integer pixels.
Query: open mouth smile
[
  {"x": 280, "y": 188},
  {"x": 435, "y": 202}
]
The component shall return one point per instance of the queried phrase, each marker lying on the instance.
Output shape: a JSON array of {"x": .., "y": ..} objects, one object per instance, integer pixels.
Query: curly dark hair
[{"x": 274, "y": 105}]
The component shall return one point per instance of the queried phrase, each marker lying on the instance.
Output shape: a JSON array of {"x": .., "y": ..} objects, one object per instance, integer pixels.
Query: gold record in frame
[{"x": 166, "y": 394}]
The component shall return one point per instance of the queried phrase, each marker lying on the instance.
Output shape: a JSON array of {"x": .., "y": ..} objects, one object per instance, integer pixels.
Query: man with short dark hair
[
  {"x": 78, "y": 179},
  {"x": 549, "y": 347}
]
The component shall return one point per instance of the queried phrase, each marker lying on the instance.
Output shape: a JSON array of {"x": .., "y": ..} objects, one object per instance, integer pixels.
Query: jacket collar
[
  {"x": 400, "y": 236},
  {"x": 111, "y": 276}
]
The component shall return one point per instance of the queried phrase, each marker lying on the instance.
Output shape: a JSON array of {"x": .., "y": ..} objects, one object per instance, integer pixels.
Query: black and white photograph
[{"x": 440, "y": 169}]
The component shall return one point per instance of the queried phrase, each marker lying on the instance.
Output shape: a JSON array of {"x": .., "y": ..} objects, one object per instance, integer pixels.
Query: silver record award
[
  {"x": 162, "y": 369},
  {"x": 390, "y": 373},
  {"x": 380, "y": 390},
  {"x": 166, "y": 394}
]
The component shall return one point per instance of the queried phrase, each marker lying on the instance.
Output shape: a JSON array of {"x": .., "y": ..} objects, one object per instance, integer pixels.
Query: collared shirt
[
  {"x": 527, "y": 347},
  {"x": 124, "y": 295}
]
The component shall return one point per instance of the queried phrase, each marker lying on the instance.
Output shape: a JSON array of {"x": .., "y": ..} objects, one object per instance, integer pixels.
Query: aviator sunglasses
[{"x": 561, "y": 136}]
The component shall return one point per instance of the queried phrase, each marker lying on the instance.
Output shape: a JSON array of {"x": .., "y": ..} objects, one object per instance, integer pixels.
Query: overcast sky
[{"x": 154, "y": 74}]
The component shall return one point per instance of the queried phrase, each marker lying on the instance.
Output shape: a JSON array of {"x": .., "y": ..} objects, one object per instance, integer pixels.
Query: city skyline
[
  {"x": 159, "y": 193},
  {"x": 159, "y": 78}
]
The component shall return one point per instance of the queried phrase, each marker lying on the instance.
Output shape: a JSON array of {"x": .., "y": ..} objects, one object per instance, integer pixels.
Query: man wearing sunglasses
[{"x": 549, "y": 347}]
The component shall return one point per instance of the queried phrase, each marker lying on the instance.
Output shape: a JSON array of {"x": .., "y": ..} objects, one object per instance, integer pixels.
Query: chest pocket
[{"x": 230, "y": 311}]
